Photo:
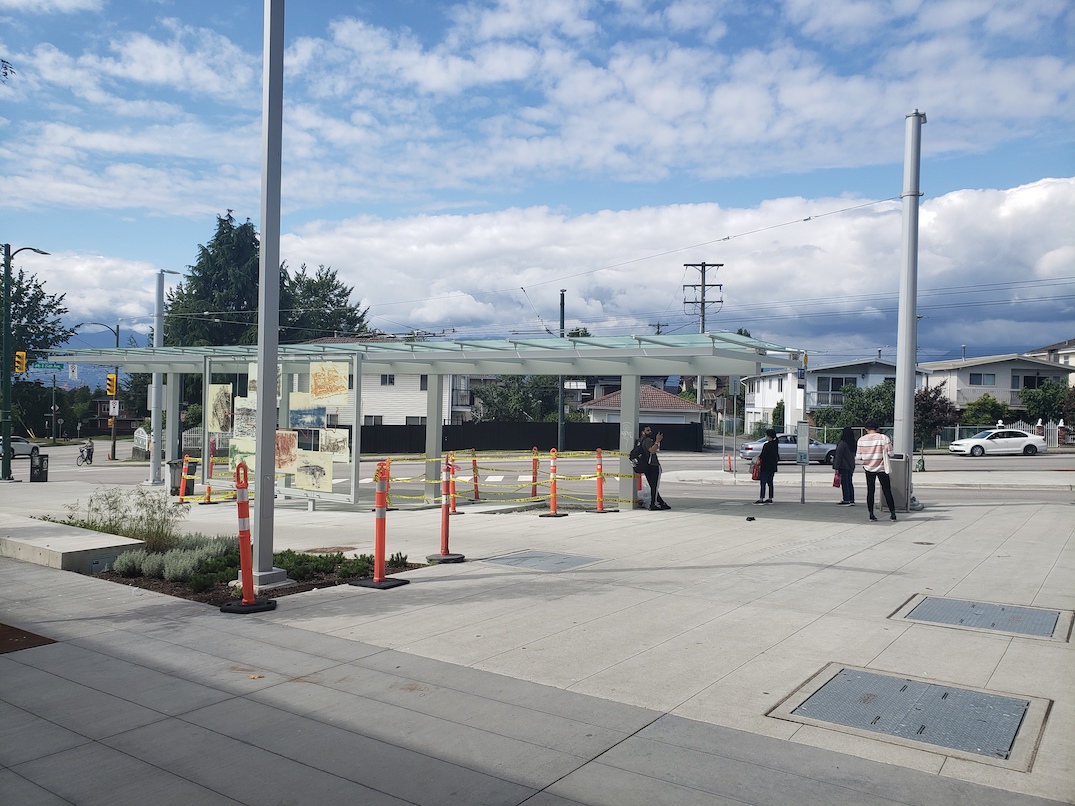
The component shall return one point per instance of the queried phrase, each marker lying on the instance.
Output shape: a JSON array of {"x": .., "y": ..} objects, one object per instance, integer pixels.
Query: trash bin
[
  {"x": 39, "y": 467},
  {"x": 899, "y": 474},
  {"x": 175, "y": 475}
]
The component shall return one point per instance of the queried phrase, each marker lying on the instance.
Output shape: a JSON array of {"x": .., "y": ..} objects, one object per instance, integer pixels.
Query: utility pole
[
  {"x": 658, "y": 326},
  {"x": 701, "y": 303},
  {"x": 560, "y": 391}
]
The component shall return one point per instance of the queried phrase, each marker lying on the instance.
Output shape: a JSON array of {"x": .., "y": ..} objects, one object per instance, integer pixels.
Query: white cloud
[{"x": 51, "y": 6}]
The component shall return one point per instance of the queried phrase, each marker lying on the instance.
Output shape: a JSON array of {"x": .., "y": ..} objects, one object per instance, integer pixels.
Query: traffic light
[
  {"x": 20, "y": 361},
  {"x": 110, "y": 387}
]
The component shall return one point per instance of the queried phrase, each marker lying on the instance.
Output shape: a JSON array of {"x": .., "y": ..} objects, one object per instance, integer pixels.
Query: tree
[
  {"x": 862, "y": 405},
  {"x": 319, "y": 306},
  {"x": 986, "y": 409},
  {"x": 742, "y": 331},
  {"x": 1046, "y": 402},
  {"x": 932, "y": 411},
  {"x": 36, "y": 317},
  {"x": 778, "y": 415},
  {"x": 217, "y": 303}
]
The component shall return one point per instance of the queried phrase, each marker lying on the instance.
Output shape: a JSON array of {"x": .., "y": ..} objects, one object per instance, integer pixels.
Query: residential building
[
  {"x": 654, "y": 406},
  {"x": 1002, "y": 376},
  {"x": 1060, "y": 353}
]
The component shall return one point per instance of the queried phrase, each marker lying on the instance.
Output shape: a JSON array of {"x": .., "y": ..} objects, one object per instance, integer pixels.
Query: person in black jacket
[
  {"x": 844, "y": 462},
  {"x": 651, "y": 445},
  {"x": 767, "y": 461}
]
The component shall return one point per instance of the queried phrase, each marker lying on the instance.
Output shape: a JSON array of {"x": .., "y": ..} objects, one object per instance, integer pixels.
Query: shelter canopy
[{"x": 718, "y": 353}]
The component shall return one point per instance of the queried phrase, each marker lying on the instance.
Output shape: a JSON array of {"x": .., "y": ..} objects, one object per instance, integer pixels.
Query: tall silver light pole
[
  {"x": 560, "y": 390},
  {"x": 157, "y": 391},
  {"x": 8, "y": 358},
  {"x": 907, "y": 328}
]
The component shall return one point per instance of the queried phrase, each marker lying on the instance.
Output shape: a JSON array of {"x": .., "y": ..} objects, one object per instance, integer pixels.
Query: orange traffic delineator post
[
  {"x": 451, "y": 483},
  {"x": 638, "y": 492},
  {"x": 380, "y": 581},
  {"x": 208, "y": 497},
  {"x": 728, "y": 462},
  {"x": 249, "y": 604},
  {"x": 474, "y": 468},
  {"x": 183, "y": 478},
  {"x": 600, "y": 485},
  {"x": 533, "y": 484},
  {"x": 552, "y": 513},
  {"x": 445, "y": 555}
]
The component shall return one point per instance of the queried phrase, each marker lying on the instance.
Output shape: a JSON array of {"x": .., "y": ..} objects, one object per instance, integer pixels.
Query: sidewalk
[{"x": 623, "y": 658}]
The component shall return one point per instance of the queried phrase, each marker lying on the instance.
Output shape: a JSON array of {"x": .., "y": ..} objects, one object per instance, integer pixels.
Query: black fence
[{"x": 496, "y": 436}]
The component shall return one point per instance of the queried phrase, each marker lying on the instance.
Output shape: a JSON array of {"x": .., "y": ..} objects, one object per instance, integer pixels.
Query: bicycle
[{"x": 84, "y": 457}]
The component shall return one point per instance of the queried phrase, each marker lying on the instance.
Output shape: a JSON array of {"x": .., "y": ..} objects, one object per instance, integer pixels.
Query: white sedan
[
  {"x": 20, "y": 446},
  {"x": 999, "y": 440}
]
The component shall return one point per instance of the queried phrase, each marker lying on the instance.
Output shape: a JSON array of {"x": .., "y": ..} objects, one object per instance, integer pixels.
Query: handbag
[
  {"x": 755, "y": 472},
  {"x": 885, "y": 463},
  {"x": 836, "y": 481}
]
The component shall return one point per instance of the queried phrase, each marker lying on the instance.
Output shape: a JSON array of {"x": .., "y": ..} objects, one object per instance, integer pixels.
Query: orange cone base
[
  {"x": 445, "y": 558},
  {"x": 553, "y": 515},
  {"x": 259, "y": 606},
  {"x": 601, "y": 511},
  {"x": 383, "y": 585}
]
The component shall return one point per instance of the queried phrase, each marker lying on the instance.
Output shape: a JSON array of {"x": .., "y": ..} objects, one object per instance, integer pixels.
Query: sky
[{"x": 459, "y": 163}]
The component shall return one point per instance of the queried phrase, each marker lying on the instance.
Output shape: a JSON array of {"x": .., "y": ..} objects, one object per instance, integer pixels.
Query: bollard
[
  {"x": 445, "y": 555},
  {"x": 600, "y": 483},
  {"x": 552, "y": 513},
  {"x": 533, "y": 484},
  {"x": 451, "y": 484},
  {"x": 208, "y": 497},
  {"x": 183, "y": 478},
  {"x": 728, "y": 462},
  {"x": 474, "y": 468},
  {"x": 638, "y": 491},
  {"x": 249, "y": 604},
  {"x": 380, "y": 581}
]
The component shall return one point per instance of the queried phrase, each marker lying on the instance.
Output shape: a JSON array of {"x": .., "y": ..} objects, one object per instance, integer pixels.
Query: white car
[
  {"x": 20, "y": 446},
  {"x": 999, "y": 440}
]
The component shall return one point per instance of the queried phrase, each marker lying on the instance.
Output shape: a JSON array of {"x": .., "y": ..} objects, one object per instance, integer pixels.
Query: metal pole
[
  {"x": 8, "y": 358},
  {"x": 269, "y": 294},
  {"x": 115, "y": 417},
  {"x": 54, "y": 409},
  {"x": 8, "y": 369},
  {"x": 156, "y": 441},
  {"x": 906, "y": 334},
  {"x": 560, "y": 390}
]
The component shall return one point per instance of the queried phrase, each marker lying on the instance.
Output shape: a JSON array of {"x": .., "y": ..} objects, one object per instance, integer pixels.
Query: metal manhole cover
[
  {"x": 543, "y": 560},
  {"x": 1034, "y": 622},
  {"x": 957, "y": 718},
  {"x": 988, "y": 727}
]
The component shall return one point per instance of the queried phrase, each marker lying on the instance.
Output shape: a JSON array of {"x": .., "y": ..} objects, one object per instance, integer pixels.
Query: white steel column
[
  {"x": 907, "y": 328},
  {"x": 269, "y": 295}
]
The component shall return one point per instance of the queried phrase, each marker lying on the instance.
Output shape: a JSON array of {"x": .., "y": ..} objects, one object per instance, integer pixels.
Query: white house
[
  {"x": 1060, "y": 353},
  {"x": 822, "y": 389},
  {"x": 1002, "y": 376}
]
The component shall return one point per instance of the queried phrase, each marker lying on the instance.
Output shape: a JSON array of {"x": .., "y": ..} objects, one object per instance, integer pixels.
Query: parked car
[
  {"x": 20, "y": 446},
  {"x": 999, "y": 440},
  {"x": 820, "y": 452}
]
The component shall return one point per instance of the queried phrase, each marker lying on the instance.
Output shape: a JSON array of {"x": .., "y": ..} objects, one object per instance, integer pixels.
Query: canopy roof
[{"x": 698, "y": 354}]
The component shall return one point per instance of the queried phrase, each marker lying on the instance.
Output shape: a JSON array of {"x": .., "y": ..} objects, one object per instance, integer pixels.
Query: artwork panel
[
  {"x": 220, "y": 408},
  {"x": 287, "y": 451},
  {"x": 336, "y": 441},
  {"x": 244, "y": 425},
  {"x": 328, "y": 382},
  {"x": 313, "y": 471},
  {"x": 240, "y": 450}
]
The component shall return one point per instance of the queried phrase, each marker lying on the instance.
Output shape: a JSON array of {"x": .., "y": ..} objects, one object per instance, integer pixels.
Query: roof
[
  {"x": 650, "y": 398},
  {"x": 1060, "y": 345},
  {"x": 947, "y": 366},
  {"x": 719, "y": 353}
]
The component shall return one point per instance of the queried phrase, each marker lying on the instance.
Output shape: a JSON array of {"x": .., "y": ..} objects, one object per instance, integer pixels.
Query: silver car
[
  {"x": 820, "y": 452},
  {"x": 20, "y": 446}
]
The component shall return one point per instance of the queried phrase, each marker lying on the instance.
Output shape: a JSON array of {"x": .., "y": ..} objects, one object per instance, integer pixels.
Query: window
[
  {"x": 416, "y": 420},
  {"x": 388, "y": 380},
  {"x": 780, "y": 384},
  {"x": 423, "y": 382},
  {"x": 835, "y": 383},
  {"x": 372, "y": 419},
  {"x": 332, "y": 420},
  {"x": 983, "y": 379}
]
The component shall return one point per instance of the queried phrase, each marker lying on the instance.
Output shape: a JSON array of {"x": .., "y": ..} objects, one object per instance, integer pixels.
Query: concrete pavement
[{"x": 623, "y": 658}]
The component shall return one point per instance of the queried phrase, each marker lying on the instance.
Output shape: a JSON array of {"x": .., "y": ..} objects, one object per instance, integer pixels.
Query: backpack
[{"x": 638, "y": 457}]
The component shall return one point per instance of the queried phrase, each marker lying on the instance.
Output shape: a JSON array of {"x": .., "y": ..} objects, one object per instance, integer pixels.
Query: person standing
[
  {"x": 651, "y": 446},
  {"x": 767, "y": 461},
  {"x": 873, "y": 449},
  {"x": 844, "y": 464}
]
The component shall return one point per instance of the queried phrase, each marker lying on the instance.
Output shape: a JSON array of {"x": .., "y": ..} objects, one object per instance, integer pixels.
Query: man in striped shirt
[{"x": 872, "y": 450}]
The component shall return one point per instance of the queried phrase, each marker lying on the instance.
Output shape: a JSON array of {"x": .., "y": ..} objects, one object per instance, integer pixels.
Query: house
[
  {"x": 1060, "y": 353},
  {"x": 821, "y": 388},
  {"x": 654, "y": 406},
  {"x": 1002, "y": 376}
]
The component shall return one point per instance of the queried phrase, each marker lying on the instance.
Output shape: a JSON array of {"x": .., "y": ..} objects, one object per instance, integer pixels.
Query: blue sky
[{"x": 459, "y": 163}]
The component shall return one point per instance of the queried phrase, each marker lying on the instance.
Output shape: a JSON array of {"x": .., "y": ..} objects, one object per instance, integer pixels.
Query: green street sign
[{"x": 45, "y": 365}]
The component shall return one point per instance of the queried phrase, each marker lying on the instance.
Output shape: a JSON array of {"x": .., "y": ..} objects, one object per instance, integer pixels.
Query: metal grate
[
  {"x": 543, "y": 560},
  {"x": 961, "y": 719},
  {"x": 986, "y": 616}
]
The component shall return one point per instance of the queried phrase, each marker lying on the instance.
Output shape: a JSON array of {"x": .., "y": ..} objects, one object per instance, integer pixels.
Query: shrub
[
  {"x": 129, "y": 563},
  {"x": 153, "y": 565},
  {"x": 136, "y": 513},
  {"x": 181, "y": 564}
]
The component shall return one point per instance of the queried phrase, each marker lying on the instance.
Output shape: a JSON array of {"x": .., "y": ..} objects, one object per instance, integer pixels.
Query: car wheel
[
  {"x": 830, "y": 457},
  {"x": 977, "y": 450},
  {"x": 1030, "y": 450},
  {"x": 34, "y": 451}
]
